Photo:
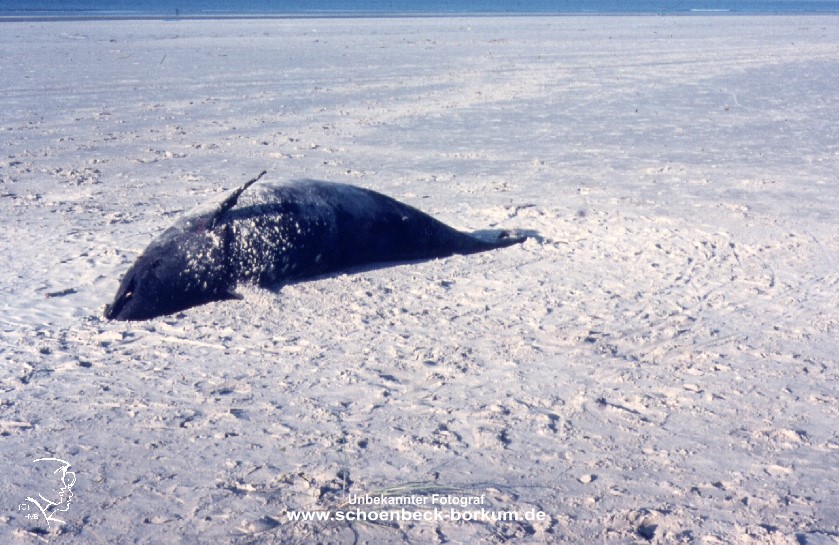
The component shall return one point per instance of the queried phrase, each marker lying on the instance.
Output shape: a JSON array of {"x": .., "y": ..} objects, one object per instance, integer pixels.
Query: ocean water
[{"x": 193, "y": 8}]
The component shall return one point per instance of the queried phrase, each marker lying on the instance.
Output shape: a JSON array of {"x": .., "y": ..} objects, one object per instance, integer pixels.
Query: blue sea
[{"x": 233, "y": 8}]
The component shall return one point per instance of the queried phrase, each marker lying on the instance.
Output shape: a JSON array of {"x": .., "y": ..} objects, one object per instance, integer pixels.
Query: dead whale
[{"x": 281, "y": 232}]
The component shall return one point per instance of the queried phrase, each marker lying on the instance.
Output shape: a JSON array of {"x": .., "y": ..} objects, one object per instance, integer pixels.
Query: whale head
[{"x": 184, "y": 267}]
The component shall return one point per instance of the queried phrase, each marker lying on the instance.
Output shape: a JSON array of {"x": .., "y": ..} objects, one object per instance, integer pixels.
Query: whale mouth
[{"x": 113, "y": 311}]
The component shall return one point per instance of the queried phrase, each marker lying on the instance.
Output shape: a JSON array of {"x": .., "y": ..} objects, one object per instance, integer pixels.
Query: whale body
[{"x": 276, "y": 232}]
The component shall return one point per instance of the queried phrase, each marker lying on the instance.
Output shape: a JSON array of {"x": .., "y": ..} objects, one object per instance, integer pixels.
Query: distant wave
[{"x": 255, "y": 8}]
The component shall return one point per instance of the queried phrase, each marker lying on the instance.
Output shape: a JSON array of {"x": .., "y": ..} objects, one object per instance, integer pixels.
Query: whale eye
[{"x": 129, "y": 290}]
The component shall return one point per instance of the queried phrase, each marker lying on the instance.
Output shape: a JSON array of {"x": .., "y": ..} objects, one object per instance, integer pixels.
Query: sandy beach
[{"x": 659, "y": 365}]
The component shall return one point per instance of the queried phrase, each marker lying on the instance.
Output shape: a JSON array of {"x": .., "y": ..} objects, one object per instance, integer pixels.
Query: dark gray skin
[{"x": 280, "y": 232}]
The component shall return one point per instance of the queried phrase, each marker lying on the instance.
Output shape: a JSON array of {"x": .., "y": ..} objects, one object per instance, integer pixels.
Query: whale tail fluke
[{"x": 500, "y": 238}]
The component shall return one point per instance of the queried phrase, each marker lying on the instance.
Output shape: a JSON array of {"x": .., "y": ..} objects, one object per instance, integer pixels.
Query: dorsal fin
[{"x": 230, "y": 201}]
